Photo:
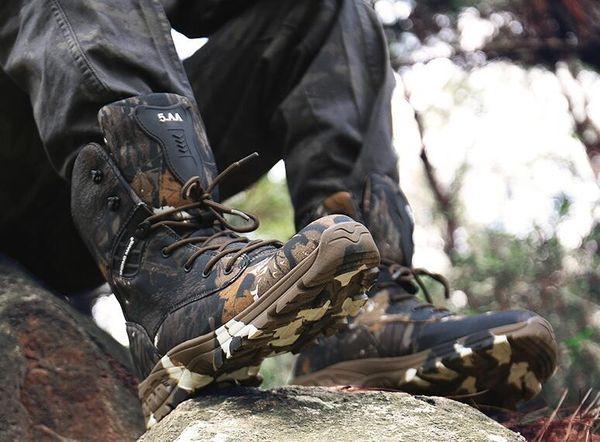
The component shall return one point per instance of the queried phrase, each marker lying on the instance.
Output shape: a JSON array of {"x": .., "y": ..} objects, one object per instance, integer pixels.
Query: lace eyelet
[
  {"x": 186, "y": 268},
  {"x": 96, "y": 175},
  {"x": 205, "y": 274},
  {"x": 164, "y": 253},
  {"x": 227, "y": 270}
]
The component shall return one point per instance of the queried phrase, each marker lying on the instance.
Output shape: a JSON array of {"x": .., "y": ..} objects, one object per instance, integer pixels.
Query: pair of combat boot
[{"x": 204, "y": 306}]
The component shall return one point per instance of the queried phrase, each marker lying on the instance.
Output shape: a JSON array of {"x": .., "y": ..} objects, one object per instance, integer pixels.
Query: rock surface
[
  {"x": 62, "y": 377},
  {"x": 320, "y": 414}
]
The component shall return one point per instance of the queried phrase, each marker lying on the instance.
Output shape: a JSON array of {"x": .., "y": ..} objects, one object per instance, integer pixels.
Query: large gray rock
[
  {"x": 61, "y": 377},
  {"x": 321, "y": 414}
]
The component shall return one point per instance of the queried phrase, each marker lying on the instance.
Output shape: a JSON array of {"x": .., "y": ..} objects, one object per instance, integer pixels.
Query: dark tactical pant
[{"x": 307, "y": 81}]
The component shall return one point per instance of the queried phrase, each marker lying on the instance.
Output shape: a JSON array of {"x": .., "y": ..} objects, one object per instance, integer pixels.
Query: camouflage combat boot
[
  {"x": 399, "y": 342},
  {"x": 203, "y": 305}
]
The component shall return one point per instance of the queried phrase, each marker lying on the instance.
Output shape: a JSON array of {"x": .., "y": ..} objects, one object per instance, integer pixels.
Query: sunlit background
[{"x": 497, "y": 158}]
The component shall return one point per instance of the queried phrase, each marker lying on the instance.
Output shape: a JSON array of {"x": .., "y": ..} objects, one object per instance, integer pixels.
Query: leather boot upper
[{"x": 146, "y": 205}]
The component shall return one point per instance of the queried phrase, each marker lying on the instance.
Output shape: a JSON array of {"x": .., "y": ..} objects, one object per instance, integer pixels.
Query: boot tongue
[{"x": 158, "y": 142}]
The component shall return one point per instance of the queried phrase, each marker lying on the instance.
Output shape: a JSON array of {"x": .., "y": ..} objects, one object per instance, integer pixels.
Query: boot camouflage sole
[
  {"x": 503, "y": 365},
  {"x": 315, "y": 297}
]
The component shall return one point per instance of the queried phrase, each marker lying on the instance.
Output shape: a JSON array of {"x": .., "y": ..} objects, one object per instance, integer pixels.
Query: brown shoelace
[
  {"x": 202, "y": 199},
  {"x": 409, "y": 276}
]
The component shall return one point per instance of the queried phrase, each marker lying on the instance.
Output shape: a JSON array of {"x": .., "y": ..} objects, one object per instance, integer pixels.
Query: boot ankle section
[
  {"x": 382, "y": 208},
  {"x": 158, "y": 141},
  {"x": 340, "y": 203},
  {"x": 389, "y": 218},
  {"x": 102, "y": 204},
  {"x": 109, "y": 216}
]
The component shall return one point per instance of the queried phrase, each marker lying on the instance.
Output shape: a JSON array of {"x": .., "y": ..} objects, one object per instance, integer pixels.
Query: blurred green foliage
[{"x": 270, "y": 201}]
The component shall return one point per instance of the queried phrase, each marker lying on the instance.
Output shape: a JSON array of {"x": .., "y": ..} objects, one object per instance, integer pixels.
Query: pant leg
[
  {"x": 338, "y": 118},
  {"x": 307, "y": 81},
  {"x": 36, "y": 228},
  {"x": 71, "y": 57},
  {"x": 245, "y": 71}
]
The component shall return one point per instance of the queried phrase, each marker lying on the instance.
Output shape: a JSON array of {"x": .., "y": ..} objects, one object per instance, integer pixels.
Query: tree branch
[
  {"x": 585, "y": 129},
  {"x": 442, "y": 197}
]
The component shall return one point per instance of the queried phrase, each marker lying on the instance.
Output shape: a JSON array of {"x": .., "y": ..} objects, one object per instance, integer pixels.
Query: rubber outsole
[
  {"x": 501, "y": 366},
  {"x": 313, "y": 298}
]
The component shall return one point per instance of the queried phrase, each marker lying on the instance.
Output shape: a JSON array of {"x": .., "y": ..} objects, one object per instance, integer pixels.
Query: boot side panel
[{"x": 101, "y": 204}]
